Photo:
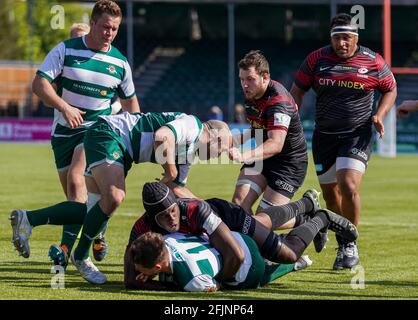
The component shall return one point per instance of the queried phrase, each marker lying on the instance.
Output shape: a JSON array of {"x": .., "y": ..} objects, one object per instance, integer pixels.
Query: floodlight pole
[{"x": 231, "y": 61}]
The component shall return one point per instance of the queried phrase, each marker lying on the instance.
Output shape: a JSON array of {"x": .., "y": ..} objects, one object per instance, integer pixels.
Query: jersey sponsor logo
[
  {"x": 281, "y": 119},
  {"x": 363, "y": 70},
  {"x": 103, "y": 92},
  {"x": 247, "y": 225},
  {"x": 324, "y": 68},
  {"x": 111, "y": 69},
  {"x": 342, "y": 83},
  {"x": 359, "y": 153},
  {"x": 345, "y": 68},
  {"x": 369, "y": 54},
  {"x": 285, "y": 186}
]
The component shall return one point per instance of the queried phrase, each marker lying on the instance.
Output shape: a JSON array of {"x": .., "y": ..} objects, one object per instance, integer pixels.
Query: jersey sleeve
[
  {"x": 200, "y": 283},
  {"x": 186, "y": 129},
  {"x": 305, "y": 76},
  {"x": 53, "y": 63},
  {"x": 206, "y": 219},
  {"x": 387, "y": 81},
  {"x": 126, "y": 88},
  {"x": 140, "y": 227},
  {"x": 279, "y": 114}
]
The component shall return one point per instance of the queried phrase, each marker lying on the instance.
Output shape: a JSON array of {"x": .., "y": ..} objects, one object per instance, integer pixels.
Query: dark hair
[
  {"x": 105, "y": 6},
  {"x": 256, "y": 59},
  {"x": 341, "y": 19},
  {"x": 148, "y": 249}
]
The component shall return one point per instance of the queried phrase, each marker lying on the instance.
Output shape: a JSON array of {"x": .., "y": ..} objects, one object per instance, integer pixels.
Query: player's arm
[
  {"x": 46, "y": 92},
  {"x": 385, "y": 104},
  {"x": 304, "y": 78},
  {"x": 202, "y": 283},
  {"x": 181, "y": 191},
  {"x": 406, "y": 107},
  {"x": 165, "y": 153},
  {"x": 232, "y": 253},
  {"x": 269, "y": 148},
  {"x": 297, "y": 94},
  {"x": 131, "y": 104}
]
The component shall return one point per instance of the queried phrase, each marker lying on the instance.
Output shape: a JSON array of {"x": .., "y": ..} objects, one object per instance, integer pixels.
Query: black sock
[
  {"x": 301, "y": 219},
  {"x": 307, "y": 231},
  {"x": 279, "y": 215}
]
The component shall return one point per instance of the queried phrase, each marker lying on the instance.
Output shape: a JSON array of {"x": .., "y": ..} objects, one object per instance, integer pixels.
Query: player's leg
[
  {"x": 296, "y": 241},
  {"x": 284, "y": 178},
  {"x": 76, "y": 191},
  {"x": 351, "y": 165},
  {"x": 250, "y": 185},
  {"x": 109, "y": 183},
  {"x": 292, "y": 214},
  {"x": 67, "y": 153}
]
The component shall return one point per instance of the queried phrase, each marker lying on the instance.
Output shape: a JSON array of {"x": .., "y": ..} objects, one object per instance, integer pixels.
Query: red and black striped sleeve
[
  {"x": 305, "y": 74},
  {"x": 279, "y": 113},
  {"x": 387, "y": 81}
]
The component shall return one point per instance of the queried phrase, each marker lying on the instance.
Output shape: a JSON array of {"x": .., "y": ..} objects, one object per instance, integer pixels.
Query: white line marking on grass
[{"x": 390, "y": 224}]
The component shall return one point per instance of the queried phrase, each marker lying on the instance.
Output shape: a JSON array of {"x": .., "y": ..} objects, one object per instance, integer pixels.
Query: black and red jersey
[
  {"x": 276, "y": 110},
  {"x": 344, "y": 88},
  {"x": 193, "y": 215}
]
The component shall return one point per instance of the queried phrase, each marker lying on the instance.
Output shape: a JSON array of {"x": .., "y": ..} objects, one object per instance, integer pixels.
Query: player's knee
[
  {"x": 287, "y": 255},
  {"x": 76, "y": 189},
  {"x": 348, "y": 188},
  {"x": 114, "y": 200},
  {"x": 270, "y": 249}
]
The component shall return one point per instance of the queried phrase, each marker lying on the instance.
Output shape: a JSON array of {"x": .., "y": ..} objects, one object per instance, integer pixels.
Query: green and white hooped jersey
[
  {"x": 195, "y": 262},
  {"x": 86, "y": 79},
  {"x": 137, "y": 134}
]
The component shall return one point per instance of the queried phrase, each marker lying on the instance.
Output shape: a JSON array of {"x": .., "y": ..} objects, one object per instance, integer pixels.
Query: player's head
[
  {"x": 254, "y": 74},
  {"x": 219, "y": 139},
  {"x": 148, "y": 252},
  {"x": 161, "y": 206},
  {"x": 79, "y": 30},
  {"x": 344, "y": 36},
  {"x": 104, "y": 23}
]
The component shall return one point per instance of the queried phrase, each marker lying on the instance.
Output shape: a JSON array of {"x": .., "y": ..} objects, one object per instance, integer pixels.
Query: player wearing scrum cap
[{"x": 344, "y": 75}]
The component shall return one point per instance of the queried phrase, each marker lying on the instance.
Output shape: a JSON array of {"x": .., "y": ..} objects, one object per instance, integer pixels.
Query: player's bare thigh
[
  {"x": 250, "y": 185},
  {"x": 276, "y": 199},
  {"x": 72, "y": 179},
  {"x": 108, "y": 180}
]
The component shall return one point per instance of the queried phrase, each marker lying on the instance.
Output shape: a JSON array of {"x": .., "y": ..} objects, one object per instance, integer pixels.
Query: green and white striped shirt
[
  {"x": 86, "y": 79},
  {"x": 195, "y": 262},
  {"x": 137, "y": 134}
]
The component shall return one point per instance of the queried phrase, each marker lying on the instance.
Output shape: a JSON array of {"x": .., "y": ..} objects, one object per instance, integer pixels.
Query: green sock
[
  {"x": 275, "y": 271},
  {"x": 94, "y": 223},
  {"x": 69, "y": 236},
  {"x": 68, "y": 212}
]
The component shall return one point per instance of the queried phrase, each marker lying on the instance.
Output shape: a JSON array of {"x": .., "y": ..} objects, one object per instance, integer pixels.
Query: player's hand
[
  {"x": 142, "y": 277},
  {"x": 73, "y": 116},
  {"x": 235, "y": 155},
  {"x": 169, "y": 174},
  {"x": 378, "y": 124},
  {"x": 405, "y": 108}
]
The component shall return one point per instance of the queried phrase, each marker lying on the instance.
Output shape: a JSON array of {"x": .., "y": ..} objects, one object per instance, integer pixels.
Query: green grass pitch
[{"x": 388, "y": 234}]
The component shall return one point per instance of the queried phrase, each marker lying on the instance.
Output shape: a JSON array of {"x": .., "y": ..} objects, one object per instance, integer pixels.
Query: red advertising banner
[{"x": 16, "y": 130}]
